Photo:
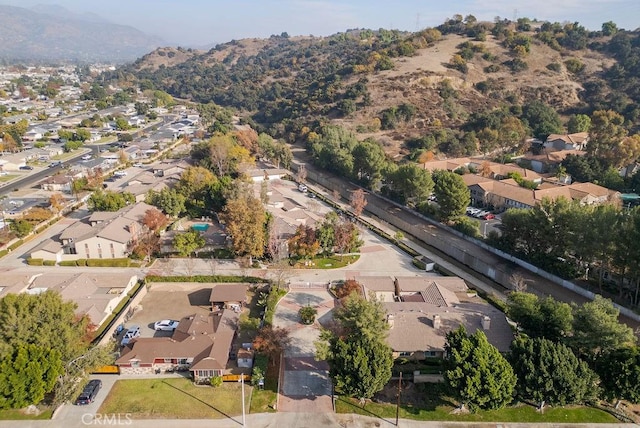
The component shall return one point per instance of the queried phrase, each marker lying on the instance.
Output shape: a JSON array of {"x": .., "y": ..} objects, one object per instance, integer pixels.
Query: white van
[{"x": 303, "y": 188}]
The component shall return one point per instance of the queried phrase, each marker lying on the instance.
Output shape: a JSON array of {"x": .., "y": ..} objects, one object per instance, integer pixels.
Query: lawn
[
  {"x": 19, "y": 414},
  {"x": 263, "y": 401},
  {"x": 5, "y": 178},
  {"x": 333, "y": 262},
  {"x": 521, "y": 413},
  {"x": 174, "y": 398}
]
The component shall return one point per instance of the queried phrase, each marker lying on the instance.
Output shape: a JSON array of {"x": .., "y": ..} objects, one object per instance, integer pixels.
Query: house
[
  {"x": 95, "y": 295},
  {"x": 550, "y": 160},
  {"x": 577, "y": 141},
  {"x": 102, "y": 235},
  {"x": 418, "y": 329},
  {"x": 421, "y": 310},
  {"x": 260, "y": 175},
  {"x": 200, "y": 344},
  {"x": 57, "y": 183},
  {"x": 228, "y": 296},
  {"x": 12, "y": 162}
]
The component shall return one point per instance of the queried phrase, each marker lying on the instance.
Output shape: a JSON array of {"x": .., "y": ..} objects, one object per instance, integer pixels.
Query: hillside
[
  {"x": 444, "y": 77},
  {"x": 48, "y": 35}
]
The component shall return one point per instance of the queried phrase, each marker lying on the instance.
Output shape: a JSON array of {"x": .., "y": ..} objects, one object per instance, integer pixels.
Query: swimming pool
[{"x": 200, "y": 227}]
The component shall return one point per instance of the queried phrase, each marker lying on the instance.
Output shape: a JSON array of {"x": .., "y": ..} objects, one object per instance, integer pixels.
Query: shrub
[
  {"x": 49, "y": 262},
  {"x": 34, "y": 262},
  {"x": 554, "y": 66},
  {"x": 108, "y": 262},
  {"x": 260, "y": 362},
  {"x": 419, "y": 263},
  {"x": 16, "y": 244},
  {"x": 204, "y": 278},
  {"x": 68, "y": 263},
  {"x": 467, "y": 226},
  {"x": 574, "y": 65},
  {"x": 307, "y": 314},
  {"x": 216, "y": 381}
]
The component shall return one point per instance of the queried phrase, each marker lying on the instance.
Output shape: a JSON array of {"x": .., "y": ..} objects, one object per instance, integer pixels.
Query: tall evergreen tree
[{"x": 475, "y": 371}]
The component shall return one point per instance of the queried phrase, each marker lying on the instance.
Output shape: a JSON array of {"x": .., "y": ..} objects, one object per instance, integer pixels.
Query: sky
[{"x": 193, "y": 23}]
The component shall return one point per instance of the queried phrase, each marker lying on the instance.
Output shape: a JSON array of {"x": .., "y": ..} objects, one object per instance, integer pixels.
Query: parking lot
[{"x": 169, "y": 301}]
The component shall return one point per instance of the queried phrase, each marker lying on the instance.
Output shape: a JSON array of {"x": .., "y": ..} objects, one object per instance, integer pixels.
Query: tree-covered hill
[{"x": 448, "y": 89}]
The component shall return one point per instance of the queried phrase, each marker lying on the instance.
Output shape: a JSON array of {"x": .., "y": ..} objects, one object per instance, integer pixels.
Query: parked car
[
  {"x": 166, "y": 325},
  {"x": 26, "y": 167},
  {"x": 120, "y": 173},
  {"x": 138, "y": 165},
  {"x": 89, "y": 392},
  {"x": 303, "y": 188},
  {"x": 55, "y": 163},
  {"x": 132, "y": 333},
  {"x": 86, "y": 157},
  {"x": 480, "y": 214},
  {"x": 488, "y": 216}
]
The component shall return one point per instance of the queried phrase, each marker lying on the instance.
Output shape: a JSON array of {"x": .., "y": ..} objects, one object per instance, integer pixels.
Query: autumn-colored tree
[
  {"x": 95, "y": 178},
  {"x": 147, "y": 245},
  {"x": 56, "y": 201},
  {"x": 485, "y": 169},
  {"x": 37, "y": 214},
  {"x": 347, "y": 238},
  {"x": 247, "y": 138},
  {"x": 304, "y": 243},
  {"x": 358, "y": 201},
  {"x": 271, "y": 341},
  {"x": 348, "y": 287},
  {"x": 154, "y": 219},
  {"x": 301, "y": 175},
  {"x": 244, "y": 218}
]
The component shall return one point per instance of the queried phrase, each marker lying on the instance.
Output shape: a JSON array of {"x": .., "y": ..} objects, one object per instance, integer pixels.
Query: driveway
[{"x": 305, "y": 385}]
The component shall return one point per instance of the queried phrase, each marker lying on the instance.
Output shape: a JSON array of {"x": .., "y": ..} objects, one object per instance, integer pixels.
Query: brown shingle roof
[{"x": 228, "y": 293}]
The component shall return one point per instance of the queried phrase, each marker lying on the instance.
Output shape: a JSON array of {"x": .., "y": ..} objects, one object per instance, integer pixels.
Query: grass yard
[
  {"x": 5, "y": 178},
  {"x": 332, "y": 262},
  {"x": 174, "y": 398},
  {"x": 522, "y": 413},
  {"x": 19, "y": 414},
  {"x": 263, "y": 401}
]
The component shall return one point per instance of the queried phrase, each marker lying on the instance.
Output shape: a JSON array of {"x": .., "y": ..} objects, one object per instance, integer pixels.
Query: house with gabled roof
[
  {"x": 421, "y": 310},
  {"x": 576, "y": 141},
  {"x": 200, "y": 344}
]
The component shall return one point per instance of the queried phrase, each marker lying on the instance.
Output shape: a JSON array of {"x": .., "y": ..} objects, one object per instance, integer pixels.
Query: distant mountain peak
[{"x": 39, "y": 34}]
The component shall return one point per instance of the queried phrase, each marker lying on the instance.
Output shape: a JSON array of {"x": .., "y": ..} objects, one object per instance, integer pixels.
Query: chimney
[
  {"x": 486, "y": 323},
  {"x": 390, "y": 320},
  {"x": 437, "y": 322}
]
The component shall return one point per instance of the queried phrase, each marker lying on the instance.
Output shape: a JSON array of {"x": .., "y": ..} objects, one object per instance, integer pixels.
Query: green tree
[
  {"x": 542, "y": 119},
  {"x": 168, "y": 200},
  {"x": 244, "y": 218},
  {"x": 452, "y": 193},
  {"x": 578, "y": 123},
  {"x": 609, "y": 28},
  {"x": 122, "y": 124},
  {"x": 475, "y": 372},
  {"x": 27, "y": 374},
  {"x": 359, "y": 358},
  {"x": 537, "y": 317},
  {"x": 369, "y": 160},
  {"x": 109, "y": 200},
  {"x": 550, "y": 372},
  {"x": 188, "y": 242},
  {"x": 606, "y": 132},
  {"x": 596, "y": 328},
  {"x": 21, "y": 227},
  {"x": 410, "y": 183},
  {"x": 619, "y": 371},
  {"x": 44, "y": 320}
]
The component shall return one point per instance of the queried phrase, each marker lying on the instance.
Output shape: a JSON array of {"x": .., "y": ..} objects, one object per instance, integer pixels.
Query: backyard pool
[{"x": 200, "y": 227}]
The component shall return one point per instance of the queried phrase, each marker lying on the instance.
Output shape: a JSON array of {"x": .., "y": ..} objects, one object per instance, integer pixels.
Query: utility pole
[{"x": 398, "y": 400}]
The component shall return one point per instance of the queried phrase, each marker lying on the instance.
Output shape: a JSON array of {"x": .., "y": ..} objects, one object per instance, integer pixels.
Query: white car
[
  {"x": 132, "y": 333},
  {"x": 138, "y": 165},
  {"x": 120, "y": 173},
  {"x": 86, "y": 157},
  {"x": 166, "y": 325}
]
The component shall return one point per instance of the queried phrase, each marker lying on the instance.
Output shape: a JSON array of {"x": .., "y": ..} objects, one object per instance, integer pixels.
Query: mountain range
[{"x": 54, "y": 34}]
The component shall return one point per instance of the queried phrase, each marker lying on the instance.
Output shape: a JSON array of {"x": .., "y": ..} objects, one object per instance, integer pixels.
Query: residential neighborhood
[{"x": 256, "y": 231}]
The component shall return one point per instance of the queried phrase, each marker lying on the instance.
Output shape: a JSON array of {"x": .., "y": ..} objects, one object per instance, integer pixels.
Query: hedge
[
  {"x": 35, "y": 262},
  {"x": 419, "y": 263},
  {"x": 4, "y": 252},
  {"x": 16, "y": 244},
  {"x": 272, "y": 300},
  {"x": 123, "y": 262},
  {"x": 205, "y": 278},
  {"x": 49, "y": 262}
]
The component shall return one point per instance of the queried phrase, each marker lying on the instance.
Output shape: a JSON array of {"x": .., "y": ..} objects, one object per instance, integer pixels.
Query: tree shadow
[
  {"x": 361, "y": 410},
  {"x": 203, "y": 402}
]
